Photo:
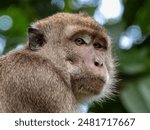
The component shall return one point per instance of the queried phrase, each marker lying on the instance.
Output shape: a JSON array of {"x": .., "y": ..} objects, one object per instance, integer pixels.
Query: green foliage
[
  {"x": 17, "y": 32},
  {"x": 136, "y": 96},
  {"x": 134, "y": 64}
]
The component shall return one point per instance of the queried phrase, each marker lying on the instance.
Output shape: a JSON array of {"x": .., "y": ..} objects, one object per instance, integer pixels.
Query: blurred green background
[{"x": 128, "y": 23}]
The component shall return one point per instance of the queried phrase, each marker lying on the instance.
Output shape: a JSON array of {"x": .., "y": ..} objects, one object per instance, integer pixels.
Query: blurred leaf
[
  {"x": 89, "y": 10},
  {"x": 112, "y": 106},
  {"x": 137, "y": 12},
  {"x": 135, "y": 96},
  {"x": 142, "y": 17},
  {"x": 43, "y": 8},
  {"x": 145, "y": 90},
  {"x": 131, "y": 9},
  {"x": 68, "y": 6},
  {"x": 134, "y": 61}
]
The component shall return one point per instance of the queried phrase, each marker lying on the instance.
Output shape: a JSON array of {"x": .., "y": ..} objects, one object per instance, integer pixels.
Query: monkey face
[
  {"x": 82, "y": 45},
  {"x": 89, "y": 62}
]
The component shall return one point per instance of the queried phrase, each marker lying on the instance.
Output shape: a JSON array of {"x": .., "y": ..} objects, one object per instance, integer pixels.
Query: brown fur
[{"x": 52, "y": 76}]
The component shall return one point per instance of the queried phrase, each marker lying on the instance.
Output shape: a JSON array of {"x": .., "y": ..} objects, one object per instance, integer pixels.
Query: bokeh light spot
[
  {"x": 109, "y": 10},
  {"x": 132, "y": 35},
  {"x": 6, "y": 22},
  {"x": 59, "y": 3}
]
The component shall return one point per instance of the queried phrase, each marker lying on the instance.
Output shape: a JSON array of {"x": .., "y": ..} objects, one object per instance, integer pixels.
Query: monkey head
[{"x": 81, "y": 48}]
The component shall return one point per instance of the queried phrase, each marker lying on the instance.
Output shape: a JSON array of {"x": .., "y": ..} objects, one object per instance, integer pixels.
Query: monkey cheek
[{"x": 74, "y": 70}]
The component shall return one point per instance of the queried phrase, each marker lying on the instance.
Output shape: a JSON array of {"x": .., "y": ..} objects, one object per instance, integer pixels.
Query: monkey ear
[{"x": 36, "y": 39}]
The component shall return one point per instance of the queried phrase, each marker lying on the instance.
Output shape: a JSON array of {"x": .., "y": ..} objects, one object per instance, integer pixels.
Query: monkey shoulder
[{"x": 25, "y": 64}]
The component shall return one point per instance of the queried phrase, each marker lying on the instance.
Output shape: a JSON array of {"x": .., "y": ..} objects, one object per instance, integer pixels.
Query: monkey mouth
[
  {"x": 88, "y": 85},
  {"x": 90, "y": 77}
]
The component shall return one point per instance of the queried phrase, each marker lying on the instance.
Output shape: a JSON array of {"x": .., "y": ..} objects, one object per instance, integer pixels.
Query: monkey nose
[{"x": 98, "y": 64}]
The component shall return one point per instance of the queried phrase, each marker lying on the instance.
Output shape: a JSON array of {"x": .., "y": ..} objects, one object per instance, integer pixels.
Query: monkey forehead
[{"x": 70, "y": 30}]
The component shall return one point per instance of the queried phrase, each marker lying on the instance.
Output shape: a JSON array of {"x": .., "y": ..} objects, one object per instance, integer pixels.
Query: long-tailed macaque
[{"x": 66, "y": 62}]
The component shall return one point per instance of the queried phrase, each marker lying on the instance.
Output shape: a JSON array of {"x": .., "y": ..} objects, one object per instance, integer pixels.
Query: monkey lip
[{"x": 92, "y": 78}]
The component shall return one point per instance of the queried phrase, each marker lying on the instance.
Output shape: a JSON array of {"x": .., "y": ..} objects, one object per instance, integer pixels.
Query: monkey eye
[
  {"x": 79, "y": 41},
  {"x": 98, "y": 45}
]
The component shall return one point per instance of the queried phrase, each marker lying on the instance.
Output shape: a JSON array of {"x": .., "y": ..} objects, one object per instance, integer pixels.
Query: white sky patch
[
  {"x": 108, "y": 10},
  {"x": 19, "y": 46},
  {"x": 99, "y": 18},
  {"x": 2, "y": 43},
  {"x": 111, "y": 8}
]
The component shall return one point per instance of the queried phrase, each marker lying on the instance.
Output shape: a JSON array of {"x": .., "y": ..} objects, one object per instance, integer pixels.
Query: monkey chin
[{"x": 87, "y": 87}]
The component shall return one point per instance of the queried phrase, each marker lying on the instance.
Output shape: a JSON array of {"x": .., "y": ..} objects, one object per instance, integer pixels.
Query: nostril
[
  {"x": 96, "y": 63},
  {"x": 101, "y": 64}
]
